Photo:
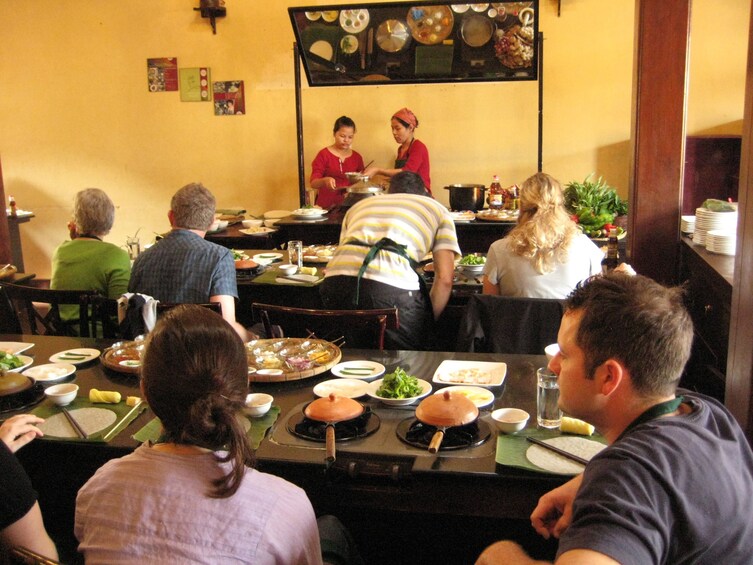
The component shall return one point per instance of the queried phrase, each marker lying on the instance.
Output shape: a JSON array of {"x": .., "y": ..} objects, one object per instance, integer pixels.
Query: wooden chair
[
  {"x": 163, "y": 307},
  {"x": 361, "y": 328},
  {"x": 9, "y": 322},
  {"x": 503, "y": 324},
  {"x": 49, "y": 323}
]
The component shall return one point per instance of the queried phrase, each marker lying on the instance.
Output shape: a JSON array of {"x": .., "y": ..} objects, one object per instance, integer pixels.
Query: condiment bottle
[
  {"x": 496, "y": 194},
  {"x": 13, "y": 210},
  {"x": 612, "y": 259}
]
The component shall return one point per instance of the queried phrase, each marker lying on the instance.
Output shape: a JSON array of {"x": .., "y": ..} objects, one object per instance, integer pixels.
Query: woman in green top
[{"x": 86, "y": 262}]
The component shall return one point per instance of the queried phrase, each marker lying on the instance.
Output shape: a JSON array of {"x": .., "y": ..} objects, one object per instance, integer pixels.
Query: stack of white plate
[
  {"x": 687, "y": 224},
  {"x": 707, "y": 220},
  {"x": 722, "y": 242}
]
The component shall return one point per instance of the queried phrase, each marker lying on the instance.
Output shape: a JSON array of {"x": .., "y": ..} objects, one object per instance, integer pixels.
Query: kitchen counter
[{"x": 443, "y": 487}]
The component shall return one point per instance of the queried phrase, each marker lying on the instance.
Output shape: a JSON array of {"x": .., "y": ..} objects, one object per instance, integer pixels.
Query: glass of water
[
  {"x": 295, "y": 253},
  {"x": 134, "y": 246},
  {"x": 548, "y": 412}
]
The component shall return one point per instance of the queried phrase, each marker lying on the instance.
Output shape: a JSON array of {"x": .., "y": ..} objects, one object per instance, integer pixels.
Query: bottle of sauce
[
  {"x": 612, "y": 259},
  {"x": 12, "y": 204},
  {"x": 496, "y": 194}
]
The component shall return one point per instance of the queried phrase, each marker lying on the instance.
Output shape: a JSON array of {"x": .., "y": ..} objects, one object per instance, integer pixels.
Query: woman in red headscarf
[{"x": 412, "y": 155}]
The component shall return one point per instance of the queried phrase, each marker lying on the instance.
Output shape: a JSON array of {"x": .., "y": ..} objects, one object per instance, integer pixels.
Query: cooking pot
[
  {"x": 360, "y": 190},
  {"x": 330, "y": 410},
  {"x": 445, "y": 410},
  {"x": 466, "y": 196},
  {"x": 12, "y": 383}
]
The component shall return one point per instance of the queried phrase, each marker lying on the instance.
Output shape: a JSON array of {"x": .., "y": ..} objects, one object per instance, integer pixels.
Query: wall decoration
[
  {"x": 194, "y": 84},
  {"x": 162, "y": 74},
  {"x": 229, "y": 98}
]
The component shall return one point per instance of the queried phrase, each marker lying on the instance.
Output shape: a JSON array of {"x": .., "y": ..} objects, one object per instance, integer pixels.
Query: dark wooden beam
[{"x": 6, "y": 255}]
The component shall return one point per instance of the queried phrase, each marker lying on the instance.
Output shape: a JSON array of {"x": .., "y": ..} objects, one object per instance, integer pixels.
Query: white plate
[
  {"x": 349, "y": 388},
  {"x": 479, "y": 396},
  {"x": 477, "y": 373},
  {"x": 15, "y": 347},
  {"x": 266, "y": 258},
  {"x": 425, "y": 386},
  {"x": 375, "y": 370},
  {"x": 81, "y": 354},
  {"x": 257, "y": 231},
  {"x": 309, "y": 212},
  {"x": 558, "y": 464},
  {"x": 26, "y": 360},
  {"x": 50, "y": 372}
]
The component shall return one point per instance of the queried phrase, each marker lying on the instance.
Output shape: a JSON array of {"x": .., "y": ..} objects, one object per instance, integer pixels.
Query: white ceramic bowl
[
  {"x": 258, "y": 403},
  {"x": 510, "y": 420},
  {"x": 269, "y": 222},
  {"x": 63, "y": 394},
  {"x": 252, "y": 223},
  {"x": 287, "y": 268},
  {"x": 551, "y": 350},
  {"x": 374, "y": 386}
]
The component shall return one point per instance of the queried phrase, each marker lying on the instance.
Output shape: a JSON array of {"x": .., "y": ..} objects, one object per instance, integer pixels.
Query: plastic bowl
[
  {"x": 63, "y": 394},
  {"x": 551, "y": 350},
  {"x": 510, "y": 420},
  {"x": 258, "y": 404},
  {"x": 287, "y": 268},
  {"x": 252, "y": 223}
]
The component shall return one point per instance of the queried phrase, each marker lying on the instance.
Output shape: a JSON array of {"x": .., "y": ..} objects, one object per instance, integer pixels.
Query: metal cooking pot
[{"x": 466, "y": 196}]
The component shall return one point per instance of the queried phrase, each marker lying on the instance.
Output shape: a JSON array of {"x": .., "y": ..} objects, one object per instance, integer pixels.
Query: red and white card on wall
[
  {"x": 162, "y": 74},
  {"x": 194, "y": 85},
  {"x": 229, "y": 99}
]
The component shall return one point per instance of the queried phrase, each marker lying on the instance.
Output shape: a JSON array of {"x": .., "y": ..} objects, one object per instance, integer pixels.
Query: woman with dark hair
[
  {"x": 412, "y": 154},
  {"x": 546, "y": 254},
  {"x": 331, "y": 163},
  {"x": 193, "y": 496}
]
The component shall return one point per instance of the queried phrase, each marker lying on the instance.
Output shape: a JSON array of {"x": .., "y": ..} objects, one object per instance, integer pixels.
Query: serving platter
[
  {"x": 290, "y": 358},
  {"x": 26, "y": 360},
  {"x": 497, "y": 215},
  {"x": 76, "y": 356},
  {"x": 477, "y": 373},
  {"x": 15, "y": 347},
  {"x": 430, "y": 25},
  {"x": 50, "y": 372},
  {"x": 348, "y": 388},
  {"x": 122, "y": 360},
  {"x": 374, "y": 386},
  {"x": 257, "y": 231}
]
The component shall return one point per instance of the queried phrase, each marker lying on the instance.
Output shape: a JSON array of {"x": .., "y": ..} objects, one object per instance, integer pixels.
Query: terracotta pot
[
  {"x": 330, "y": 410},
  {"x": 445, "y": 410}
]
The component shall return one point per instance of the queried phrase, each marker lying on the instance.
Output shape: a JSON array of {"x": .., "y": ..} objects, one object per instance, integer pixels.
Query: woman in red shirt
[
  {"x": 331, "y": 163},
  {"x": 412, "y": 155}
]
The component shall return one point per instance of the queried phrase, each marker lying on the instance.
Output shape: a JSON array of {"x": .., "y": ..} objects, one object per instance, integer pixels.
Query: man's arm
[
  {"x": 444, "y": 268},
  {"x": 510, "y": 553},
  {"x": 554, "y": 512},
  {"x": 29, "y": 532},
  {"x": 227, "y": 304}
]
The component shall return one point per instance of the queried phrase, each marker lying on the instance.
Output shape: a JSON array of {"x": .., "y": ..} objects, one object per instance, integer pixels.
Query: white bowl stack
[
  {"x": 707, "y": 220},
  {"x": 687, "y": 224},
  {"x": 722, "y": 242}
]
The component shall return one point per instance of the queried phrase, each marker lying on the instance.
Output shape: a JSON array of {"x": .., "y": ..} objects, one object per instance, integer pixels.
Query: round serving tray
[
  {"x": 290, "y": 343},
  {"x": 109, "y": 360}
]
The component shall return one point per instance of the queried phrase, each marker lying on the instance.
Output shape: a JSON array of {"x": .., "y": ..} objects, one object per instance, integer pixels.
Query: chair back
[
  {"x": 163, "y": 307},
  {"x": 49, "y": 322},
  {"x": 360, "y": 328},
  {"x": 103, "y": 317},
  {"x": 503, "y": 324},
  {"x": 9, "y": 322}
]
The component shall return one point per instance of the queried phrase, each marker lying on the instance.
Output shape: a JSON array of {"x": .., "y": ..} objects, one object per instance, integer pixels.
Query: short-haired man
[
  {"x": 675, "y": 483},
  {"x": 381, "y": 241},
  {"x": 185, "y": 268}
]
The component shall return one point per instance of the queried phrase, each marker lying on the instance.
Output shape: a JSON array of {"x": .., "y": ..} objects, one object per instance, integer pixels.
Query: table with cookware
[{"x": 372, "y": 474}]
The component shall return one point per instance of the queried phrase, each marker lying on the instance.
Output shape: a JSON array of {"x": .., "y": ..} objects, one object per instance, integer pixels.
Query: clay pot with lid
[
  {"x": 330, "y": 410},
  {"x": 12, "y": 383},
  {"x": 445, "y": 410}
]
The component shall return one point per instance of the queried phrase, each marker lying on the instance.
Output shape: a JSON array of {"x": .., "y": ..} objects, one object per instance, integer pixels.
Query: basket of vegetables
[{"x": 595, "y": 206}]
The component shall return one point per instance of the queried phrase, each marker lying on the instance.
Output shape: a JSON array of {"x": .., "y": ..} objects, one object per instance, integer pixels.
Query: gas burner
[
  {"x": 365, "y": 425},
  {"x": 23, "y": 399},
  {"x": 416, "y": 433}
]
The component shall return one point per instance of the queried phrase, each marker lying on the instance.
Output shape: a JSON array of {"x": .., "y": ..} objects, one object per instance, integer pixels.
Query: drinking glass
[
  {"x": 134, "y": 246},
  {"x": 548, "y": 413},
  {"x": 295, "y": 253}
]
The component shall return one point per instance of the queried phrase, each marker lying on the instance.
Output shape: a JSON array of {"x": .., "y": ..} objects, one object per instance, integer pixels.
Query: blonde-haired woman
[{"x": 546, "y": 254}]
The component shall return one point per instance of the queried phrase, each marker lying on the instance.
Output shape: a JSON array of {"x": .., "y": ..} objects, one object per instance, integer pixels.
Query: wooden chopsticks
[
  {"x": 76, "y": 426},
  {"x": 557, "y": 450}
]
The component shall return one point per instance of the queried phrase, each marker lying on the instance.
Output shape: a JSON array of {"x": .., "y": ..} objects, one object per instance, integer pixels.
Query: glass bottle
[
  {"x": 496, "y": 194},
  {"x": 612, "y": 258}
]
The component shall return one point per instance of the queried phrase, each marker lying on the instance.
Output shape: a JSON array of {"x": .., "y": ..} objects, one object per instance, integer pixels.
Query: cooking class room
[{"x": 653, "y": 98}]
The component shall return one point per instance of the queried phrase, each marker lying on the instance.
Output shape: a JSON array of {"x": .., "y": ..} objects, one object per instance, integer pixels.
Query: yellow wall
[{"x": 75, "y": 109}]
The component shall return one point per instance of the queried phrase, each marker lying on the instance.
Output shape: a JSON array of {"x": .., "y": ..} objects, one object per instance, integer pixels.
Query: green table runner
[
  {"x": 270, "y": 277},
  {"x": 124, "y": 415}
]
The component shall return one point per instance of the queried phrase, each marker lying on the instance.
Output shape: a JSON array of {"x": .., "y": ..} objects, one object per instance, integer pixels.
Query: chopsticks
[
  {"x": 366, "y": 166},
  {"x": 76, "y": 426},
  {"x": 557, "y": 450}
]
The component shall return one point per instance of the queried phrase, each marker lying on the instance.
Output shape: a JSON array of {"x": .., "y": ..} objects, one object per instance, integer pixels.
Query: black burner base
[
  {"x": 416, "y": 433},
  {"x": 365, "y": 425},
  {"x": 23, "y": 399}
]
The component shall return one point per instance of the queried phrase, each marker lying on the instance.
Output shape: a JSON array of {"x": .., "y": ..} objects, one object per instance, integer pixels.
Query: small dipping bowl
[
  {"x": 63, "y": 394},
  {"x": 551, "y": 351},
  {"x": 287, "y": 268},
  {"x": 252, "y": 223},
  {"x": 510, "y": 420},
  {"x": 258, "y": 404}
]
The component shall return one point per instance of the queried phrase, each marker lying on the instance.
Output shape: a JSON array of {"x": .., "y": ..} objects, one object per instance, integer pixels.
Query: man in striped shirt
[{"x": 383, "y": 238}]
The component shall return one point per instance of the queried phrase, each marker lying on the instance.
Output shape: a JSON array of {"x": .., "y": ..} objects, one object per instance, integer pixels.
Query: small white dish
[
  {"x": 258, "y": 404},
  {"x": 257, "y": 231},
  {"x": 266, "y": 258},
  {"x": 270, "y": 222},
  {"x": 477, "y": 373},
  {"x": 373, "y": 387},
  {"x": 348, "y": 388},
  {"x": 26, "y": 360},
  {"x": 15, "y": 347},
  {"x": 252, "y": 223},
  {"x": 63, "y": 394},
  {"x": 50, "y": 372},
  {"x": 481, "y": 397},
  {"x": 75, "y": 356},
  {"x": 269, "y": 372},
  {"x": 510, "y": 420},
  {"x": 364, "y": 370},
  {"x": 287, "y": 268},
  {"x": 551, "y": 351}
]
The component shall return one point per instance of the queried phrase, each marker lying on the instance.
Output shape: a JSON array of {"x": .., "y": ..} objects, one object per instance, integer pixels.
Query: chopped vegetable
[
  {"x": 399, "y": 384},
  {"x": 237, "y": 255},
  {"x": 473, "y": 259},
  {"x": 9, "y": 361}
]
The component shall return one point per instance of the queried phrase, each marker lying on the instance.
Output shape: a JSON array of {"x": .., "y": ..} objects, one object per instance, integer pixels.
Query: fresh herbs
[
  {"x": 473, "y": 259},
  {"x": 594, "y": 205},
  {"x": 8, "y": 361},
  {"x": 399, "y": 384}
]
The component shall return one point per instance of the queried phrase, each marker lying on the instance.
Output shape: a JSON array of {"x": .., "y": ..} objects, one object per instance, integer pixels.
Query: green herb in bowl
[
  {"x": 8, "y": 361},
  {"x": 399, "y": 384}
]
